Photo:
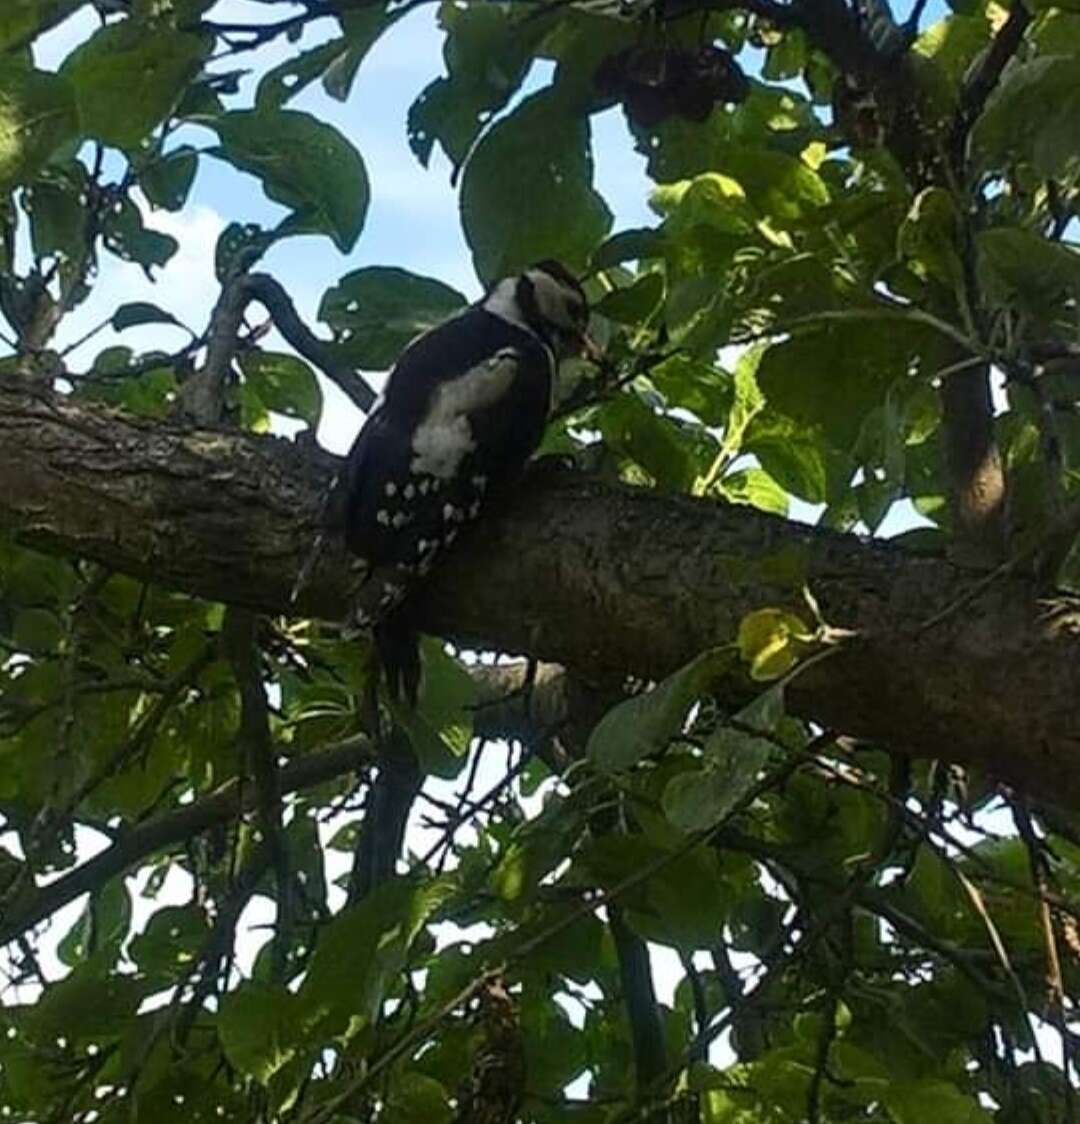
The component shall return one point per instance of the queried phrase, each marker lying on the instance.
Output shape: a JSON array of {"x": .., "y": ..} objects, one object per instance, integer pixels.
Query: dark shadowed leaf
[
  {"x": 260, "y": 1029},
  {"x": 362, "y": 950},
  {"x": 647, "y": 722},
  {"x": 304, "y": 164},
  {"x": 375, "y": 312},
  {"x": 539, "y": 153},
  {"x": 140, "y": 312},
  {"x": 167, "y": 180},
  {"x": 129, "y": 76},
  {"x": 127, "y": 236},
  {"x": 697, "y": 799},
  {"x": 487, "y": 52},
  {"x": 1033, "y": 112},
  {"x": 440, "y": 727}
]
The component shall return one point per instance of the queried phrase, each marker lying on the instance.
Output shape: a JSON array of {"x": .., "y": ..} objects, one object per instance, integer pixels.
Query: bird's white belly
[{"x": 445, "y": 437}]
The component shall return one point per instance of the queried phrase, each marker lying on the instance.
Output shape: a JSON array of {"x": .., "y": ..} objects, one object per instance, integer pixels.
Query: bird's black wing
[{"x": 463, "y": 410}]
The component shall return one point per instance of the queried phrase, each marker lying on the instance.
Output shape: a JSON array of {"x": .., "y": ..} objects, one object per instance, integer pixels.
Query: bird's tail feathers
[{"x": 397, "y": 641}]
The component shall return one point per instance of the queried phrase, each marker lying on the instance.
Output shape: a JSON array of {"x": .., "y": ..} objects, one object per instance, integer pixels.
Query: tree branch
[
  {"x": 273, "y": 297},
  {"x": 976, "y": 473},
  {"x": 981, "y": 84},
  {"x": 171, "y": 828},
  {"x": 608, "y": 580}
]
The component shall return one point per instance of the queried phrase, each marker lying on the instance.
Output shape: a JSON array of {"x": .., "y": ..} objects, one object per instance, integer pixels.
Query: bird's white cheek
[{"x": 440, "y": 445}]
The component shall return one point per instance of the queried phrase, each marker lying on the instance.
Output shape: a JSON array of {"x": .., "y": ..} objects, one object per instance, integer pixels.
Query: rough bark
[{"x": 612, "y": 581}]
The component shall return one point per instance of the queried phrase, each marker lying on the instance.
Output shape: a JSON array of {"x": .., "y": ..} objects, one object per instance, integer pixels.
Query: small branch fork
[{"x": 204, "y": 390}]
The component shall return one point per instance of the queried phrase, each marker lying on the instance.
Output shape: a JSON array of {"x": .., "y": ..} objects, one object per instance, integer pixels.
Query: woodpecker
[{"x": 462, "y": 411}]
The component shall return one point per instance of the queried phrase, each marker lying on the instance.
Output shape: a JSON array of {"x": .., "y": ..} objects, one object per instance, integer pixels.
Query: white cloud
[{"x": 186, "y": 286}]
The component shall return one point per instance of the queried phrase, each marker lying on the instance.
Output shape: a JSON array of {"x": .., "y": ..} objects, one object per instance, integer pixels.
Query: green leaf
[
  {"x": 290, "y": 78},
  {"x": 541, "y": 153},
  {"x": 127, "y": 236},
  {"x": 1058, "y": 32},
  {"x": 779, "y": 187},
  {"x": 37, "y": 116},
  {"x": 304, "y": 164},
  {"x": 787, "y": 58},
  {"x": 167, "y": 181},
  {"x": 140, "y": 312},
  {"x": 362, "y": 27},
  {"x": 647, "y": 722},
  {"x": 755, "y": 487},
  {"x": 634, "y": 304},
  {"x": 129, "y": 76},
  {"x": 57, "y": 217},
  {"x": 260, "y": 1029},
  {"x": 151, "y": 393},
  {"x": 21, "y": 20},
  {"x": 487, "y": 52},
  {"x": 640, "y": 244},
  {"x": 284, "y": 384},
  {"x": 654, "y": 442},
  {"x": 915, "y": 1102},
  {"x": 953, "y": 43},
  {"x": 363, "y": 949},
  {"x": 797, "y": 458},
  {"x": 440, "y": 726},
  {"x": 86, "y": 1006},
  {"x": 686, "y": 900},
  {"x": 693, "y": 385},
  {"x": 831, "y": 377},
  {"x": 1019, "y": 266},
  {"x": 928, "y": 238},
  {"x": 712, "y": 200},
  {"x": 239, "y": 247},
  {"x": 374, "y": 312},
  {"x": 102, "y": 926},
  {"x": 697, "y": 799},
  {"x": 1033, "y": 112},
  {"x": 37, "y": 631},
  {"x": 171, "y": 942},
  {"x": 772, "y": 641},
  {"x": 417, "y": 1099}
]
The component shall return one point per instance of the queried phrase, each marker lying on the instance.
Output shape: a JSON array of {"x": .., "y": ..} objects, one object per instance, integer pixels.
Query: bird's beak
[{"x": 591, "y": 350}]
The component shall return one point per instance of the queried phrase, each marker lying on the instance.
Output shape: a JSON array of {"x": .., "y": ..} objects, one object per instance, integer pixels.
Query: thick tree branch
[
  {"x": 611, "y": 581},
  {"x": 985, "y": 78},
  {"x": 976, "y": 473},
  {"x": 273, "y": 297}
]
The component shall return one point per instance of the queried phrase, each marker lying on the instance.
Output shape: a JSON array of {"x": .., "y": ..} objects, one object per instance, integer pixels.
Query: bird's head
[{"x": 548, "y": 299}]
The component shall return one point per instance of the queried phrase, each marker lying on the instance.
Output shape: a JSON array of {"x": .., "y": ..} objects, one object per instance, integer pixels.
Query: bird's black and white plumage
[{"x": 463, "y": 409}]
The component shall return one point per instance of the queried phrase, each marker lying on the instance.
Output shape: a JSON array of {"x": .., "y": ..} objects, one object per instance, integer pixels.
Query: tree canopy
[{"x": 764, "y": 817}]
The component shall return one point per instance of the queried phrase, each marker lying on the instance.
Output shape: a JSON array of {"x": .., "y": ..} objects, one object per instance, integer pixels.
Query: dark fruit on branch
[{"x": 655, "y": 83}]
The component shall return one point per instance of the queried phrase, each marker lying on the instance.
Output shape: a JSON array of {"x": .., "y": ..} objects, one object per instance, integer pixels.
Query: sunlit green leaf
[
  {"x": 37, "y": 116},
  {"x": 771, "y": 641},
  {"x": 284, "y": 384}
]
